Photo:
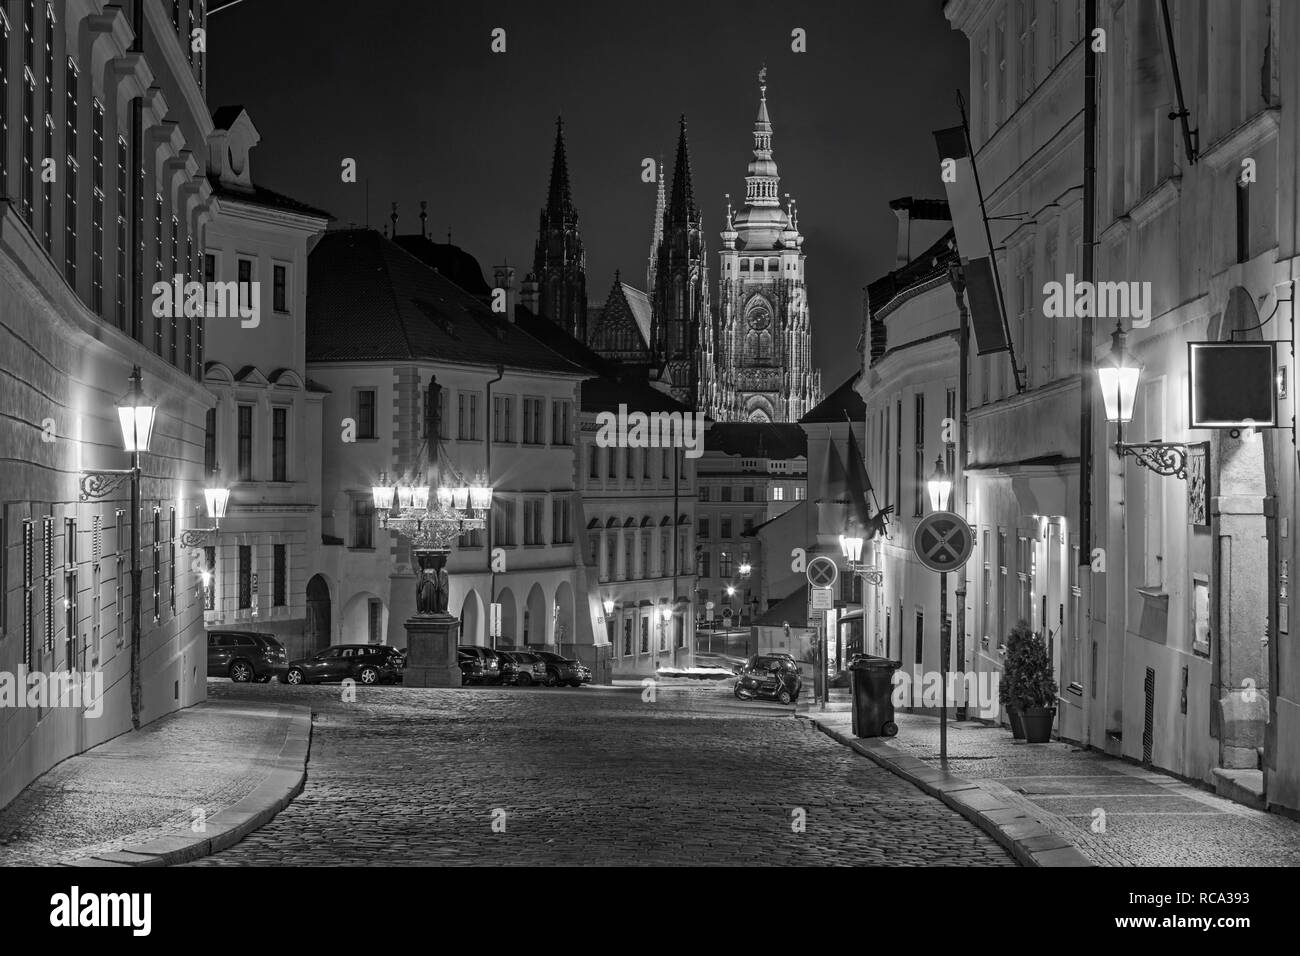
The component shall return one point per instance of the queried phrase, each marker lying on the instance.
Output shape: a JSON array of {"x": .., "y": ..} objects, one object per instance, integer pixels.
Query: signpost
[
  {"x": 822, "y": 573},
  {"x": 943, "y": 542}
]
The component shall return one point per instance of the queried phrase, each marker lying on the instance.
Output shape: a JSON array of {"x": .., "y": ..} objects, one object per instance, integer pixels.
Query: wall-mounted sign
[
  {"x": 1198, "y": 484},
  {"x": 1232, "y": 384},
  {"x": 823, "y": 599}
]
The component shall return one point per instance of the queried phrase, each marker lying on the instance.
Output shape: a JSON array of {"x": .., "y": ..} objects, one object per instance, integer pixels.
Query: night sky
[{"x": 413, "y": 93}]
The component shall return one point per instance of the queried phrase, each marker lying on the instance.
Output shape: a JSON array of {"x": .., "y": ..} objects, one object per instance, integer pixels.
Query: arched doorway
[
  {"x": 318, "y": 630},
  {"x": 471, "y": 620},
  {"x": 565, "y": 619},
  {"x": 509, "y": 623},
  {"x": 1244, "y": 536},
  {"x": 536, "y": 616}
]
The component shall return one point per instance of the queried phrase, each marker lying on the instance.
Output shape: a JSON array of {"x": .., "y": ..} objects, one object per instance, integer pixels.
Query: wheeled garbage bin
[{"x": 872, "y": 681}]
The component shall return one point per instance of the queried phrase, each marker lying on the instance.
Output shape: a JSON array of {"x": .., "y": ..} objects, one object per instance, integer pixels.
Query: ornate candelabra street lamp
[{"x": 136, "y": 413}]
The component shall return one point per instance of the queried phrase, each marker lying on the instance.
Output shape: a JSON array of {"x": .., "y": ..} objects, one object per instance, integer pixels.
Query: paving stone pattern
[{"x": 589, "y": 776}]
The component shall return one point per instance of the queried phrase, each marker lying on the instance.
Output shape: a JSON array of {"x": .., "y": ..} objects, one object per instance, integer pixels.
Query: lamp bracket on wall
[{"x": 1167, "y": 459}]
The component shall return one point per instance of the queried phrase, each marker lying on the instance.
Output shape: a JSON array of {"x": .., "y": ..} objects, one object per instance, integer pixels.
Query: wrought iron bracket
[
  {"x": 871, "y": 574},
  {"x": 101, "y": 484},
  {"x": 196, "y": 537},
  {"x": 1166, "y": 459}
]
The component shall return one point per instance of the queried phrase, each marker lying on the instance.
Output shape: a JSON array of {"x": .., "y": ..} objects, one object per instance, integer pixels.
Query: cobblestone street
[{"x": 589, "y": 776}]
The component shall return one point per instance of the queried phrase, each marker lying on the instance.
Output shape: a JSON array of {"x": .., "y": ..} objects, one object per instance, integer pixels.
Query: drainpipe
[{"x": 487, "y": 467}]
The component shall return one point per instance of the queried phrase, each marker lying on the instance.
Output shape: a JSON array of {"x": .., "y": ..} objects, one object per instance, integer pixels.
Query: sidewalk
[
  {"x": 1036, "y": 798},
  {"x": 187, "y": 785}
]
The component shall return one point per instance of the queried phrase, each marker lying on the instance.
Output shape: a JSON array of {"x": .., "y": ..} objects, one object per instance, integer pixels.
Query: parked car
[
  {"x": 760, "y": 675},
  {"x": 478, "y": 665},
  {"x": 522, "y": 668},
  {"x": 364, "y": 663},
  {"x": 245, "y": 656},
  {"x": 563, "y": 670}
]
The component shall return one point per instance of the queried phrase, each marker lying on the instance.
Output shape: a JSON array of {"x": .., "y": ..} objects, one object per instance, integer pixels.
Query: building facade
[
  {"x": 262, "y": 440},
  {"x": 102, "y": 194},
  {"x": 424, "y": 382},
  {"x": 749, "y": 474},
  {"x": 756, "y": 363}
]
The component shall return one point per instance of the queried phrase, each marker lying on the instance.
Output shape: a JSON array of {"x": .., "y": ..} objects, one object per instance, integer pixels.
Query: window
[
  {"x": 919, "y": 456},
  {"x": 70, "y": 176},
  {"x": 704, "y": 570},
  {"x": 280, "y": 575},
  {"x": 726, "y": 492},
  {"x": 175, "y": 270},
  {"x": 363, "y": 523},
  {"x": 533, "y": 434},
  {"x": 627, "y": 637},
  {"x": 611, "y": 556},
  {"x": 210, "y": 442},
  {"x": 748, "y": 524},
  {"x": 703, "y": 493},
  {"x": 724, "y": 564},
  {"x": 778, "y": 493},
  {"x": 279, "y": 444},
  {"x": 611, "y": 462},
  {"x": 245, "y": 276},
  {"x": 375, "y": 622},
  {"x": 593, "y": 461},
  {"x": 561, "y": 413},
  {"x": 4, "y": 103},
  {"x": 503, "y": 521},
  {"x": 279, "y": 288},
  {"x": 704, "y": 527},
  {"x": 245, "y": 414},
  {"x": 1002, "y": 577},
  {"x": 245, "y": 577},
  {"x": 629, "y": 571},
  {"x": 800, "y": 492},
  {"x": 986, "y": 607},
  {"x": 158, "y": 265},
  {"x": 724, "y": 527},
  {"x": 664, "y": 457},
  {"x": 533, "y": 508},
  {"x": 629, "y": 462},
  {"x": 70, "y": 591},
  {"x": 171, "y": 559},
  {"x": 501, "y": 425},
  {"x": 645, "y": 634},
  {"x": 920, "y": 636},
  {"x": 664, "y": 569},
  {"x": 749, "y": 493},
  {"x": 898, "y": 460},
  {"x": 561, "y": 528},
  {"x": 645, "y": 553},
  {"x": 645, "y": 463},
  {"x": 365, "y": 413},
  {"x": 29, "y": 109}
]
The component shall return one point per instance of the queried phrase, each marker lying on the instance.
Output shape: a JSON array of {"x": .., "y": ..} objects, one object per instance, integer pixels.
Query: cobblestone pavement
[
  {"x": 142, "y": 785},
  {"x": 589, "y": 776},
  {"x": 1149, "y": 818}
]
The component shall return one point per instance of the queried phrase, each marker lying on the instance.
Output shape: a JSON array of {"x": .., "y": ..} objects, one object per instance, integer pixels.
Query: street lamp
[
  {"x": 939, "y": 484},
  {"x": 136, "y": 414},
  {"x": 216, "y": 497},
  {"x": 1118, "y": 375}
]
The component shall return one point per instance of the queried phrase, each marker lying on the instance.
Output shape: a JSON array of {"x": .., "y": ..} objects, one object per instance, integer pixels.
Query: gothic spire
[
  {"x": 656, "y": 229},
  {"x": 762, "y": 181},
  {"x": 559, "y": 198},
  {"x": 683, "y": 209}
]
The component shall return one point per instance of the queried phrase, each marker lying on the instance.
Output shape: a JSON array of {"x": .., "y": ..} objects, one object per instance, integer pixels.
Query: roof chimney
[
  {"x": 903, "y": 210},
  {"x": 424, "y": 216},
  {"x": 394, "y": 218}
]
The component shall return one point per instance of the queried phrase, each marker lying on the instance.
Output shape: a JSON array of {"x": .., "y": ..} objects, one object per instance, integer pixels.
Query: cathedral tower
[
  {"x": 680, "y": 280},
  {"x": 759, "y": 365},
  {"x": 559, "y": 263}
]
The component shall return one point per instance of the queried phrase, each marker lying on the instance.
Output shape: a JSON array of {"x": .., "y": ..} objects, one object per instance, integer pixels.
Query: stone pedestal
[{"x": 431, "y": 651}]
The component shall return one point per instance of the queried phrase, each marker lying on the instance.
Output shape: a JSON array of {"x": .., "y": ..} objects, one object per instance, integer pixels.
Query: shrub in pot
[
  {"x": 1009, "y": 704},
  {"x": 1028, "y": 684}
]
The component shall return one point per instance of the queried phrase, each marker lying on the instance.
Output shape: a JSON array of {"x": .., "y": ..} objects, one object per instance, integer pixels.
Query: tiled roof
[
  {"x": 930, "y": 264},
  {"x": 369, "y": 300},
  {"x": 452, "y": 261},
  {"x": 639, "y": 303},
  {"x": 792, "y": 610},
  {"x": 261, "y": 196},
  {"x": 778, "y": 440},
  {"x": 843, "y": 404}
]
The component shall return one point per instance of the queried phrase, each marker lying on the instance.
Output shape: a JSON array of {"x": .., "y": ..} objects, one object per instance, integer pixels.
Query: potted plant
[
  {"x": 1005, "y": 697},
  {"x": 1028, "y": 683}
]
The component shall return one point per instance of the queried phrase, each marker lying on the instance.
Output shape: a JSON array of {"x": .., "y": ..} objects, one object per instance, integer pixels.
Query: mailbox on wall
[{"x": 1232, "y": 384}]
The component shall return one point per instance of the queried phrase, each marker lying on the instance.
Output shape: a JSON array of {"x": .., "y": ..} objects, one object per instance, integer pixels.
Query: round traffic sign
[
  {"x": 943, "y": 541},
  {"x": 822, "y": 572}
]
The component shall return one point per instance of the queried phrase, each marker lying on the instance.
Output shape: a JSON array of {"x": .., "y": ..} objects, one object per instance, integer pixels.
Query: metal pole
[
  {"x": 958, "y": 280},
  {"x": 944, "y": 638},
  {"x": 135, "y": 586},
  {"x": 1087, "y": 263}
]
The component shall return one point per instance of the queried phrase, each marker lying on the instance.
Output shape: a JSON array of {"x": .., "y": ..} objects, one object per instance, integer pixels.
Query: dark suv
[
  {"x": 245, "y": 656},
  {"x": 363, "y": 663},
  {"x": 478, "y": 665},
  {"x": 563, "y": 670}
]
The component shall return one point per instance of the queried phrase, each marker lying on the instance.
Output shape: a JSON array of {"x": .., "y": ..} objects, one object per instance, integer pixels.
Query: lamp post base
[{"x": 431, "y": 651}]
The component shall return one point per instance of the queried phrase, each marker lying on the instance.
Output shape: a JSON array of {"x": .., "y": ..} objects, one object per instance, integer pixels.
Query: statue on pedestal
[{"x": 431, "y": 590}]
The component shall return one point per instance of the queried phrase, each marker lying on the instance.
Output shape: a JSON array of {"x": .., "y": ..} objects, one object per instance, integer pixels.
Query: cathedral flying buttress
[{"x": 756, "y": 363}]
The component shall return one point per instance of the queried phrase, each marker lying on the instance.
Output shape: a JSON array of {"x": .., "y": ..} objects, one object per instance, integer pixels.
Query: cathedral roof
[
  {"x": 639, "y": 304},
  {"x": 368, "y": 299}
]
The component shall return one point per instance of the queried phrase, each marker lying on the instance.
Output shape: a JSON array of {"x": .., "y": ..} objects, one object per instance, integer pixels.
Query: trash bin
[{"x": 872, "y": 680}]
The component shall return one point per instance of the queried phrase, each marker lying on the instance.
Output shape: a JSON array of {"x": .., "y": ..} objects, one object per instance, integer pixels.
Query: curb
[
  {"x": 1031, "y": 843},
  {"x": 286, "y": 779}
]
